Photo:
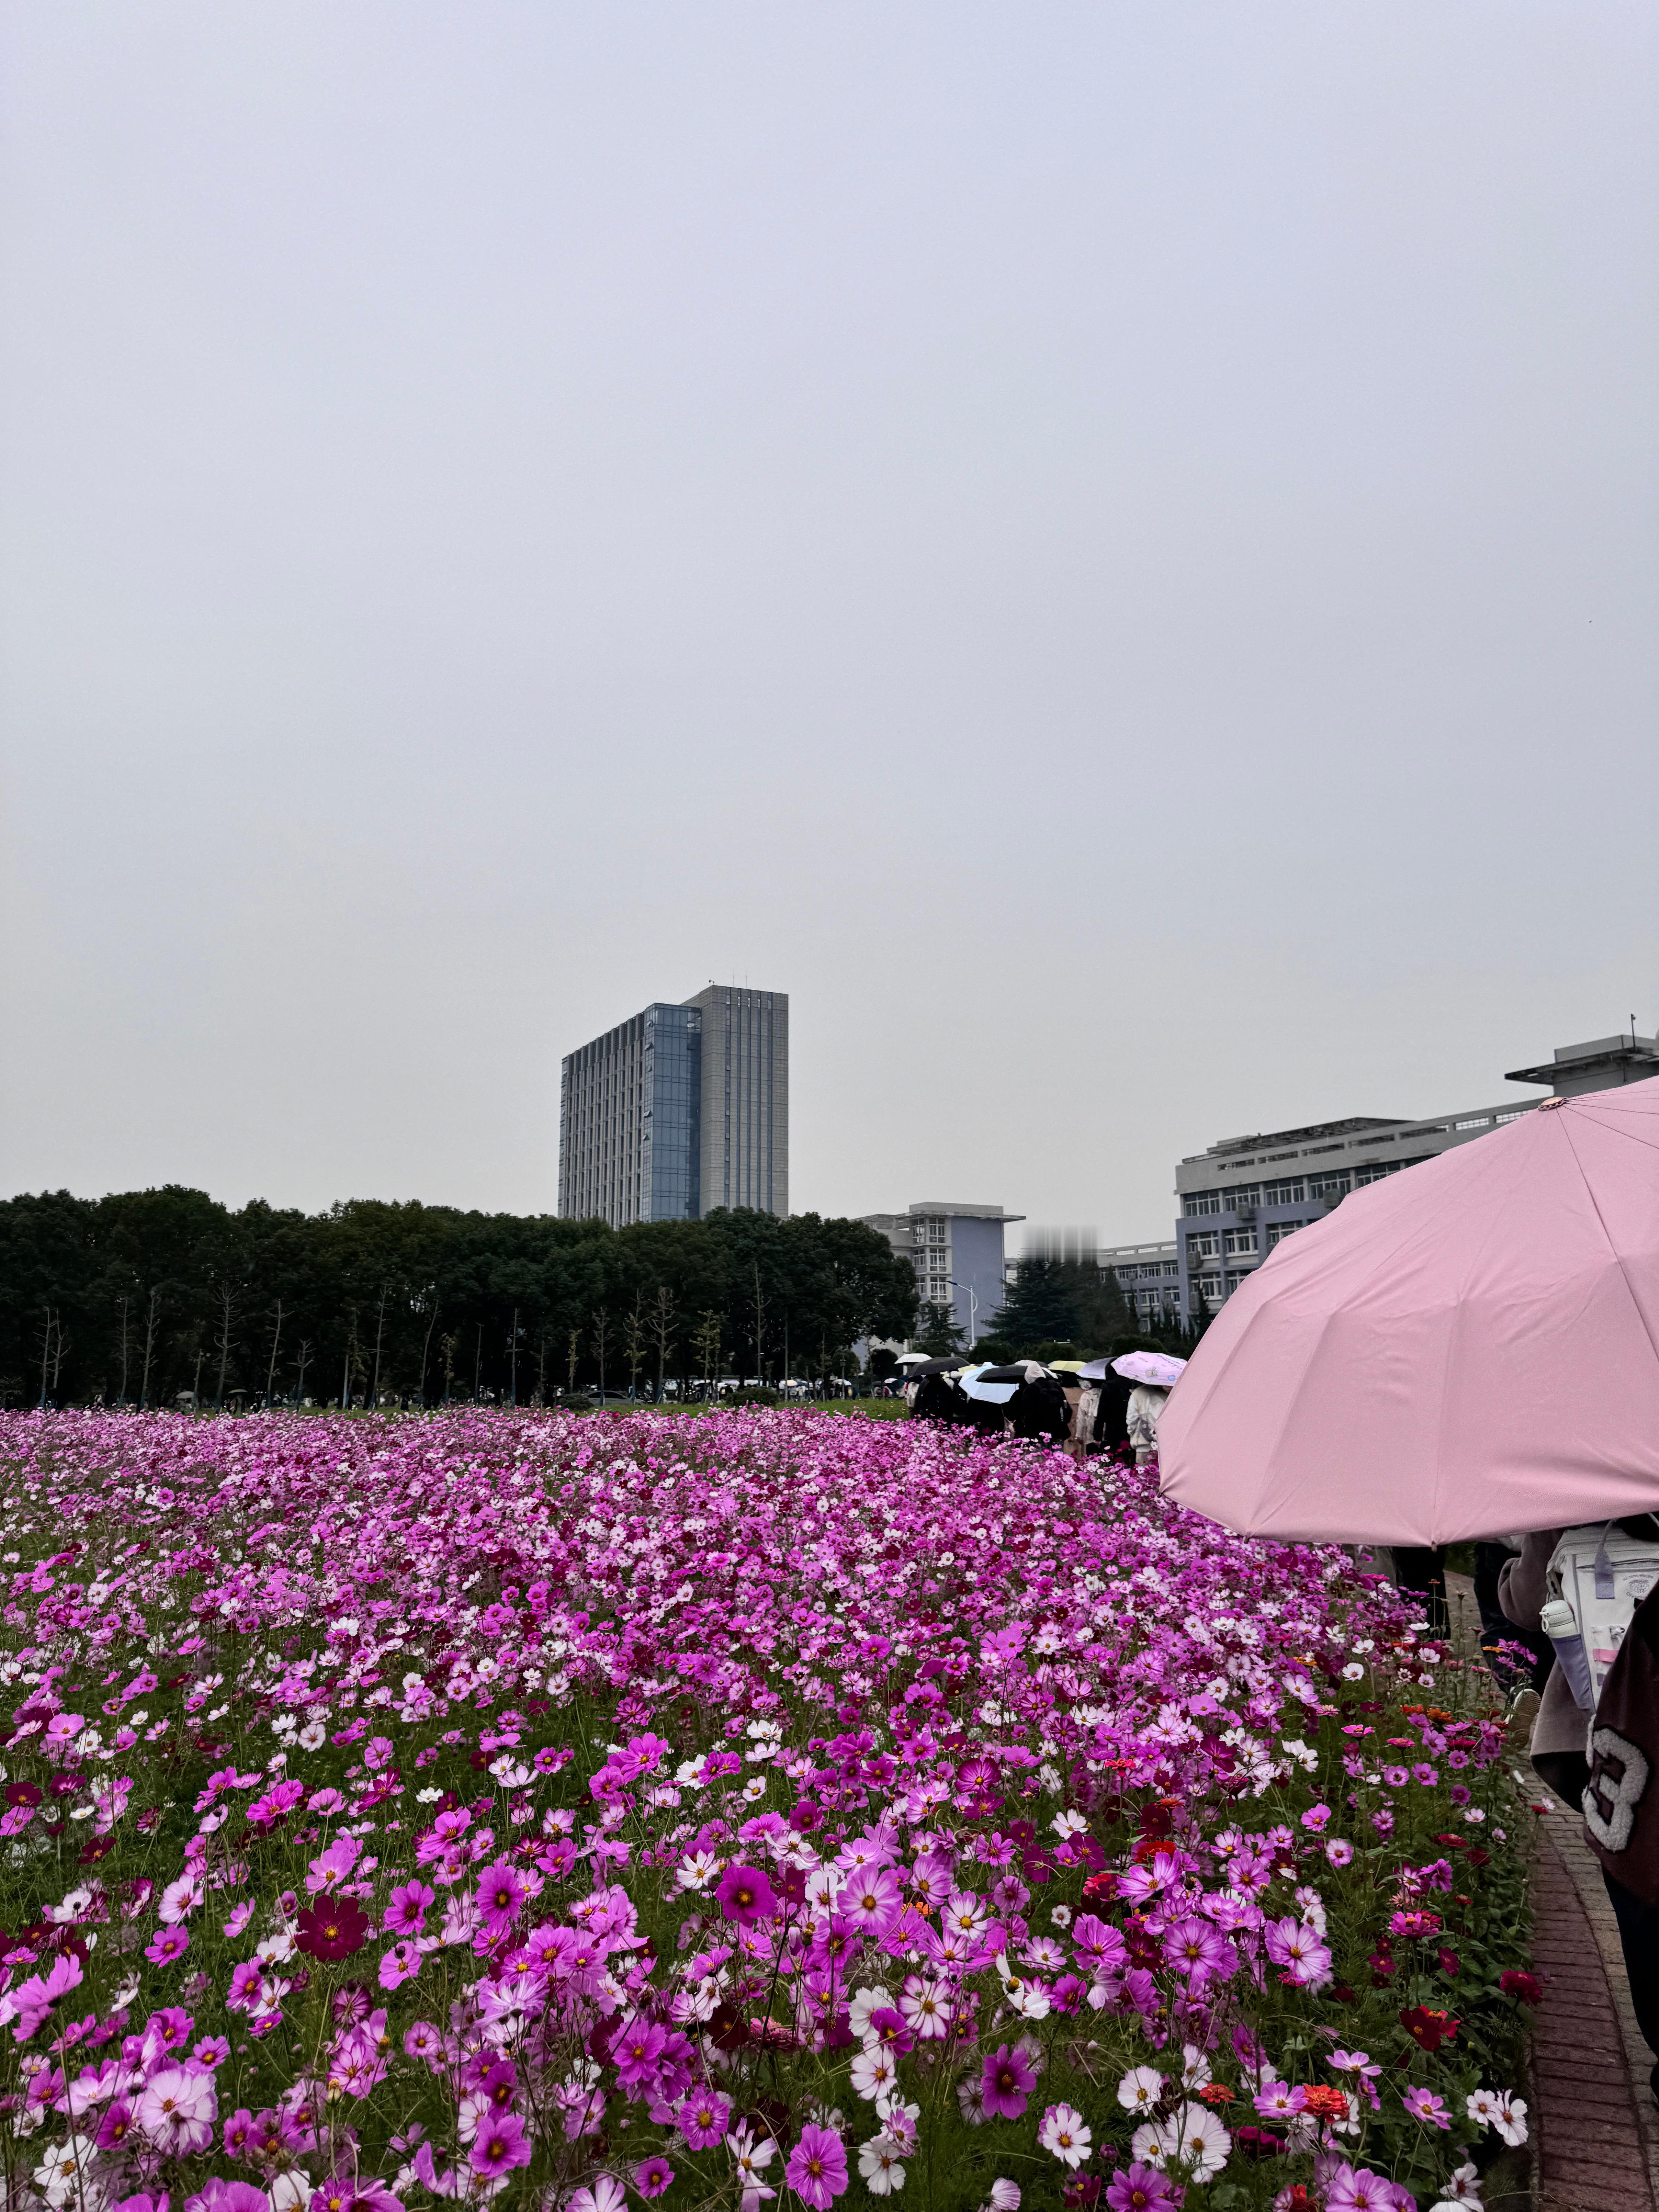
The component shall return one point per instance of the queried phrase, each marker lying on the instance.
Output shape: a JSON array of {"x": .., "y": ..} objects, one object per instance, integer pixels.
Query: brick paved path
[{"x": 1595, "y": 2123}]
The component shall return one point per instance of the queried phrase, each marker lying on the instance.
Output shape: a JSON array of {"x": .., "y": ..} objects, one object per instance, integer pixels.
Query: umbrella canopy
[
  {"x": 1469, "y": 1347},
  {"x": 1066, "y": 1367},
  {"x": 911, "y": 1359},
  {"x": 996, "y": 1394},
  {"x": 922, "y": 1365},
  {"x": 1154, "y": 1367}
]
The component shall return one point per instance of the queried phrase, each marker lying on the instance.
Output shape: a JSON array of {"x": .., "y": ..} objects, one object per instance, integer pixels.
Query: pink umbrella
[{"x": 1467, "y": 1347}]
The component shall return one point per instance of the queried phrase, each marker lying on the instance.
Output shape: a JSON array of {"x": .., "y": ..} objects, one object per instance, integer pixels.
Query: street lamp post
[{"x": 973, "y": 1310}]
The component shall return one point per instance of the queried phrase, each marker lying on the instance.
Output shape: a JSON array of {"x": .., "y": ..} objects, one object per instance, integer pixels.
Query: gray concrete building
[
  {"x": 1149, "y": 1276},
  {"x": 1240, "y": 1198},
  {"x": 683, "y": 1107},
  {"x": 957, "y": 1252}
]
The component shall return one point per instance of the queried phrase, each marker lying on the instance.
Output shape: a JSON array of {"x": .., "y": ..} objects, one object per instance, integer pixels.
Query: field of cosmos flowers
[{"x": 757, "y": 1807}]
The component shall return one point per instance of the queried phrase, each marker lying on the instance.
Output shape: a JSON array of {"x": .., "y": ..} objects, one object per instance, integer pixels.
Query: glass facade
[
  {"x": 673, "y": 1111},
  {"x": 680, "y": 1109}
]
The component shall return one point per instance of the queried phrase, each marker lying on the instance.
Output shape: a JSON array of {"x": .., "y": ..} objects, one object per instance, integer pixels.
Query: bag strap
[{"x": 1603, "y": 1567}]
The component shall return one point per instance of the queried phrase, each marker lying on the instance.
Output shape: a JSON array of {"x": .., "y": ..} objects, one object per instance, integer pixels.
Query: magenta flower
[
  {"x": 499, "y": 1897},
  {"x": 638, "y": 2052},
  {"x": 407, "y": 1908},
  {"x": 1007, "y": 2080},
  {"x": 1142, "y": 2189},
  {"x": 499, "y": 2145},
  {"x": 746, "y": 1895},
  {"x": 816, "y": 2169},
  {"x": 167, "y": 1944},
  {"x": 1425, "y": 2108},
  {"x": 704, "y": 2119},
  {"x": 652, "y": 2176},
  {"x": 398, "y": 1964}
]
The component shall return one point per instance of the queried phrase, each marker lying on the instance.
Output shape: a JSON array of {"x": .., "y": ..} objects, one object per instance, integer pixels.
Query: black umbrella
[
  {"x": 1014, "y": 1373},
  {"x": 931, "y": 1367}
]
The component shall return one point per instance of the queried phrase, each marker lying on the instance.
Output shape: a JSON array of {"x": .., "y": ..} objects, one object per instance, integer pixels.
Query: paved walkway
[{"x": 1595, "y": 2127}]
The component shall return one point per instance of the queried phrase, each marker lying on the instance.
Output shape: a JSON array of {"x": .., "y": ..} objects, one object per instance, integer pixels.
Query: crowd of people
[{"x": 1108, "y": 1406}]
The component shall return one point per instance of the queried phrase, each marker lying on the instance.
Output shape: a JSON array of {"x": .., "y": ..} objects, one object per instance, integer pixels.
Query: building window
[
  {"x": 1282, "y": 1193},
  {"x": 1210, "y": 1286},
  {"x": 1204, "y": 1201},
  {"x": 1278, "y": 1230},
  {"x": 1240, "y": 1240},
  {"x": 1482, "y": 1122},
  {"x": 1204, "y": 1246}
]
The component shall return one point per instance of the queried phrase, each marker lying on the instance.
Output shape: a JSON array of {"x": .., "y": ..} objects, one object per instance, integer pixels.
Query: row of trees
[{"x": 134, "y": 1297}]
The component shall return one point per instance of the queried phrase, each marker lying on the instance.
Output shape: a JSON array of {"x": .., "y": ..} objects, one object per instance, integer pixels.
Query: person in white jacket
[{"x": 1145, "y": 1404}]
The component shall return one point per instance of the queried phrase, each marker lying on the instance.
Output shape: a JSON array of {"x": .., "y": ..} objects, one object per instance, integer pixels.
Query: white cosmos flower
[
  {"x": 881, "y": 2166},
  {"x": 866, "y": 2003},
  {"x": 874, "y": 2072},
  {"x": 1064, "y": 2134},
  {"x": 1140, "y": 2090}
]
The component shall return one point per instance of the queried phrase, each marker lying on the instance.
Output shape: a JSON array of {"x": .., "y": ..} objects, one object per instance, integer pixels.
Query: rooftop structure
[{"x": 956, "y": 1249}]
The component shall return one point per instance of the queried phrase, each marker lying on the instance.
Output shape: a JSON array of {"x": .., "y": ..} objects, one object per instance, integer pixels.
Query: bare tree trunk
[
  {"x": 478, "y": 1365},
  {"x": 541, "y": 1372},
  {"x": 512, "y": 1359},
  {"x": 45, "y": 1357},
  {"x": 601, "y": 1325},
  {"x": 150, "y": 1344},
  {"x": 58, "y": 1355},
  {"x": 426, "y": 1342},
  {"x": 126, "y": 1344},
  {"x": 271, "y": 1372},
  {"x": 301, "y": 1363},
  {"x": 760, "y": 1328},
  {"x": 662, "y": 1331},
  {"x": 227, "y": 1310},
  {"x": 379, "y": 1339},
  {"x": 575, "y": 1348},
  {"x": 633, "y": 1346}
]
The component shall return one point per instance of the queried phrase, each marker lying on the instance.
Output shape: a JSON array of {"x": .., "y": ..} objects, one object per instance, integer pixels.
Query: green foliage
[
  {"x": 1062, "y": 1301},
  {"x": 154, "y": 1293}
]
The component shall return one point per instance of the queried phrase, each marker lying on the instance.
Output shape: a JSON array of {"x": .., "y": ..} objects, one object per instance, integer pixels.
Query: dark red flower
[
  {"x": 1428, "y": 2028},
  {"x": 21, "y": 1793},
  {"x": 1527, "y": 1987},
  {"x": 333, "y": 1930}
]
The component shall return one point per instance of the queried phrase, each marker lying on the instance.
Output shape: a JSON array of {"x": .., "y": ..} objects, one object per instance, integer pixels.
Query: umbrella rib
[{"x": 1618, "y": 1256}]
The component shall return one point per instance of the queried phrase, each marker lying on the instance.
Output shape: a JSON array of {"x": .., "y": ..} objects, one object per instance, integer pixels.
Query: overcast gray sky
[{"x": 1108, "y": 550}]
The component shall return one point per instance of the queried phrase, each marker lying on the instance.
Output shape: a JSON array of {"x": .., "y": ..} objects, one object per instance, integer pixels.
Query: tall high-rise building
[{"x": 679, "y": 1110}]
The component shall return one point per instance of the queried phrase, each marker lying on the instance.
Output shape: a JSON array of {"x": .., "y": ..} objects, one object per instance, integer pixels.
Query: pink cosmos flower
[
  {"x": 1338, "y": 1851},
  {"x": 704, "y": 2119},
  {"x": 407, "y": 1908},
  {"x": 177, "y": 2109},
  {"x": 1291, "y": 1944},
  {"x": 638, "y": 2051},
  {"x": 817, "y": 2168},
  {"x": 167, "y": 1945},
  {"x": 1348, "y": 2190},
  {"x": 746, "y": 1895},
  {"x": 398, "y": 1964},
  {"x": 499, "y": 1897},
  {"x": 652, "y": 2176},
  {"x": 1427, "y": 2109},
  {"x": 1007, "y": 2080},
  {"x": 499, "y": 2145},
  {"x": 1142, "y": 2189},
  {"x": 872, "y": 1899}
]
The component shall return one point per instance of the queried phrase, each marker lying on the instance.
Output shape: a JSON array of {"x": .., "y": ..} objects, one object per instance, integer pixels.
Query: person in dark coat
[{"x": 1038, "y": 1412}]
